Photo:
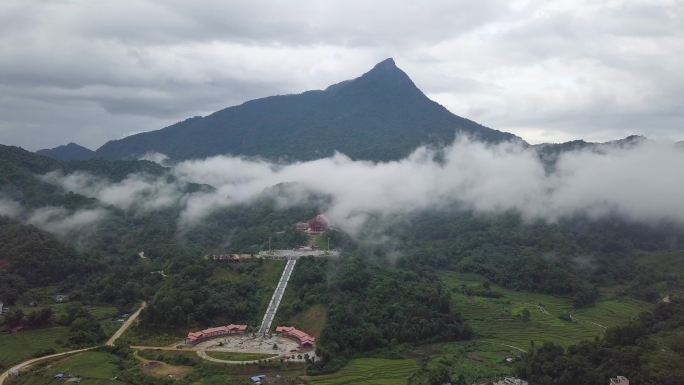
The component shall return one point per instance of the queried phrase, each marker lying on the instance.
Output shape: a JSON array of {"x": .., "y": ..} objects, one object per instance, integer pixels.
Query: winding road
[{"x": 110, "y": 342}]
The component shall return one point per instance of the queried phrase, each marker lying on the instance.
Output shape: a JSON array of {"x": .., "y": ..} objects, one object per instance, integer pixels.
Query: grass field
[
  {"x": 93, "y": 368},
  {"x": 15, "y": 348},
  {"x": 230, "y": 356},
  {"x": 211, "y": 373},
  {"x": 169, "y": 356},
  {"x": 369, "y": 371},
  {"x": 493, "y": 319},
  {"x": 311, "y": 320},
  {"x": 137, "y": 335},
  {"x": 271, "y": 273}
]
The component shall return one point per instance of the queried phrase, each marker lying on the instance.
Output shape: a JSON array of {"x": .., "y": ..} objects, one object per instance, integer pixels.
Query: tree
[{"x": 525, "y": 315}]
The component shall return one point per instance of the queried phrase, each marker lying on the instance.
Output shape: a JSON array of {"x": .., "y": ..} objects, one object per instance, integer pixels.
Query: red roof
[
  {"x": 319, "y": 219},
  {"x": 301, "y": 336},
  {"x": 216, "y": 331}
]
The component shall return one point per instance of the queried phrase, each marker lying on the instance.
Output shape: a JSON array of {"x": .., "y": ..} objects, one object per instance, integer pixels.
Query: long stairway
[{"x": 277, "y": 296}]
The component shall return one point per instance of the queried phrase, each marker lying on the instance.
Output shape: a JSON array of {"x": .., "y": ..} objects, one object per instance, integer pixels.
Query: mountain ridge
[
  {"x": 70, "y": 151},
  {"x": 380, "y": 115}
]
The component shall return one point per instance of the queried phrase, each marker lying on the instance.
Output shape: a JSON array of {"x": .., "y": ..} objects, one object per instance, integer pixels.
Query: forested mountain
[
  {"x": 550, "y": 152},
  {"x": 381, "y": 115},
  {"x": 123, "y": 231},
  {"x": 71, "y": 151}
]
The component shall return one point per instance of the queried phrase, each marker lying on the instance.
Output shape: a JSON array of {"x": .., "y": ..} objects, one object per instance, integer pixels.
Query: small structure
[
  {"x": 2, "y": 308},
  {"x": 511, "y": 381},
  {"x": 305, "y": 340},
  {"x": 202, "y": 335},
  {"x": 316, "y": 225},
  {"x": 256, "y": 380},
  {"x": 59, "y": 298},
  {"x": 619, "y": 380},
  {"x": 234, "y": 258},
  {"x": 302, "y": 226}
]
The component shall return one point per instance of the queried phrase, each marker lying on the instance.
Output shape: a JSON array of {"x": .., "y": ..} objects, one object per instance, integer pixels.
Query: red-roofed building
[
  {"x": 202, "y": 335},
  {"x": 305, "y": 340},
  {"x": 318, "y": 224}
]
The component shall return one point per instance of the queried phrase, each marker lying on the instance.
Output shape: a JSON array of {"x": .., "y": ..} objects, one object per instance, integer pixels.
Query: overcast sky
[{"x": 90, "y": 71}]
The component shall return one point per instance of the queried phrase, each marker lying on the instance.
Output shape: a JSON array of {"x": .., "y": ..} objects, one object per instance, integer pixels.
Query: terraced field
[
  {"x": 493, "y": 319},
  {"x": 369, "y": 371},
  {"x": 475, "y": 361}
]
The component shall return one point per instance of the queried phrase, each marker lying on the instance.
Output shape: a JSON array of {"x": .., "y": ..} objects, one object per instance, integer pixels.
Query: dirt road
[
  {"x": 125, "y": 326},
  {"x": 19, "y": 367}
]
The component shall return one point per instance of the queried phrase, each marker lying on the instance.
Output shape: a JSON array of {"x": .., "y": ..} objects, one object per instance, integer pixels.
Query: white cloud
[
  {"x": 56, "y": 220},
  {"x": 641, "y": 183},
  {"x": 9, "y": 208},
  {"x": 137, "y": 191},
  {"x": 60, "y": 221}
]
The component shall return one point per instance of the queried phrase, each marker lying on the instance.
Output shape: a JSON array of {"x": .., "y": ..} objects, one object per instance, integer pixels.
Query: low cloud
[
  {"x": 138, "y": 192},
  {"x": 9, "y": 208},
  {"x": 61, "y": 221},
  {"x": 57, "y": 220},
  {"x": 639, "y": 183}
]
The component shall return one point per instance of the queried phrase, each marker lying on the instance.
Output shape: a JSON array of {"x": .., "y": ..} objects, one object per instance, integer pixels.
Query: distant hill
[
  {"x": 71, "y": 151},
  {"x": 550, "y": 152},
  {"x": 381, "y": 115}
]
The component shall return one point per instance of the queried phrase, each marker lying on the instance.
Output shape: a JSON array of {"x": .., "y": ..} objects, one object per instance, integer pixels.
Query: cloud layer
[
  {"x": 88, "y": 72},
  {"x": 639, "y": 183}
]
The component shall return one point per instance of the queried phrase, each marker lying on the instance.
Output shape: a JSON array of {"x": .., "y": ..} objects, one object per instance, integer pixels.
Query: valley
[{"x": 360, "y": 234}]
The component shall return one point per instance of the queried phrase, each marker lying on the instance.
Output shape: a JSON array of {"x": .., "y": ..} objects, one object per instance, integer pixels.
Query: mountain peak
[
  {"x": 71, "y": 151},
  {"x": 380, "y": 115},
  {"x": 387, "y": 64}
]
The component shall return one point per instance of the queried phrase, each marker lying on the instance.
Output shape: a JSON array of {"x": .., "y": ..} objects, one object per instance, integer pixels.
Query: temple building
[{"x": 316, "y": 225}]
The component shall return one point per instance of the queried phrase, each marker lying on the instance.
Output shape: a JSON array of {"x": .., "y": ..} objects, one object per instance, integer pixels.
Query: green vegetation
[
  {"x": 93, "y": 368},
  {"x": 372, "y": 307},
  {"x": 312, "y": 320},
  {"x": 499, "y": 319},
  {"x": 194, "y": 296},
  {"x": 472, "y": 361},
  {"x": 98, "y": 365},
  {"x": 142, "y": 335},
  {"x": 369, "y": 371},
  {"x": 637, "y": 350},
  {"x": 18, "y": 347},
  {"x": 171, "y": 357},
  {"x": 512, "y": 285}
]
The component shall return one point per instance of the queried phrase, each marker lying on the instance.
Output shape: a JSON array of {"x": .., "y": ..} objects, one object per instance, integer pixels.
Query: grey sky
[{"x": 89, "y": 71}]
